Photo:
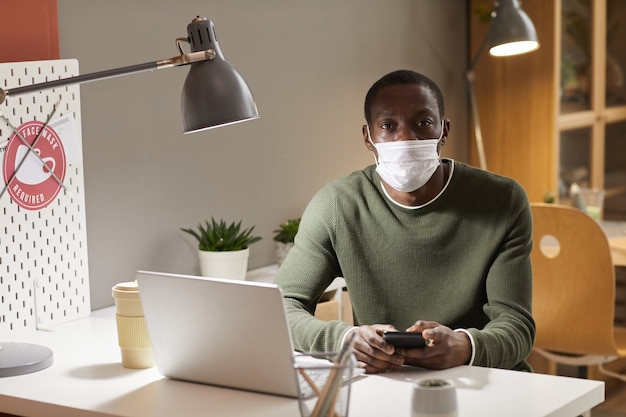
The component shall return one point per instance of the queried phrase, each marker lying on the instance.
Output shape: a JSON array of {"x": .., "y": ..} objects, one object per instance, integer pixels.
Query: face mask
[{"x": 407, "y": 165}]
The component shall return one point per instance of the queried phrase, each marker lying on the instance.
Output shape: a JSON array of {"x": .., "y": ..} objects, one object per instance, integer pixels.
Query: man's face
[{"x": 404, "y": 112}]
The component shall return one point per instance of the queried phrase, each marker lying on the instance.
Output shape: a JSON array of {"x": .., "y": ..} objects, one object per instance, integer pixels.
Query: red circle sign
[{"x": 29, "y": 173}]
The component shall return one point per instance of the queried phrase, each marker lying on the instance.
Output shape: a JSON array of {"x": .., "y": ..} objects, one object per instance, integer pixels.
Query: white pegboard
[{"x": 44, "y": 278}]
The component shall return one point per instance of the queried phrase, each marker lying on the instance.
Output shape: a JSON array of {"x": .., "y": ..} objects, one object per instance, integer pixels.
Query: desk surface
[
  {"x": 616, "y": 233},
  {"x": 87, "y": 380}
]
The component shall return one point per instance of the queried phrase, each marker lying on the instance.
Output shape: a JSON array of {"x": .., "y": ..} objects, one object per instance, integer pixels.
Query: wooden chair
[{"x": 574, "y": 290}]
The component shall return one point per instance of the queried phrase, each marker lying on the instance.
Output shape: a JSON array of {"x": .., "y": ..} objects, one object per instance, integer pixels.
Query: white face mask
[{"x": 407, "y": 165}]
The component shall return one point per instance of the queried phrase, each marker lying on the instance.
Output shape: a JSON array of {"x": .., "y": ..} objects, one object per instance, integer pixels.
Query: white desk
[
  {"x": 616, "y": 233},
  {"x": 87, "y": 380}
]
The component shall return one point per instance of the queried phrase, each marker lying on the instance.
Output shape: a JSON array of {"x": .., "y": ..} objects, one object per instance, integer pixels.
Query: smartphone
[{"x": 405, "y": 339}]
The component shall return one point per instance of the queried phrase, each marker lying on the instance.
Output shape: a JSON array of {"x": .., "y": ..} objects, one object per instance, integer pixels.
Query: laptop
[{"x": 220, "y": 332}]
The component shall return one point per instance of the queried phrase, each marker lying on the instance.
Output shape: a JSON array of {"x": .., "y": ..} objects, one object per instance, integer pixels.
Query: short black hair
[{"x": 402, "y": 77}]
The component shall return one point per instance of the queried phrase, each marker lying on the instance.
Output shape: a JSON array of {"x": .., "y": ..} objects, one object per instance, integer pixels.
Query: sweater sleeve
[
  {"x": 507, "y": 339},
  {"x": 310, "y": 267}
]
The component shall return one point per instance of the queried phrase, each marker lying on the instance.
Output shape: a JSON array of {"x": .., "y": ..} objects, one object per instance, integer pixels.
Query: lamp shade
[
  {"x": 214, "y": 93},
  {"x": 512, "y": 32}
]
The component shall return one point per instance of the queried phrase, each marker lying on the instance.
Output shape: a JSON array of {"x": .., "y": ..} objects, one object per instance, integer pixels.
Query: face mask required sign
[{"x": 34, "y": 161}]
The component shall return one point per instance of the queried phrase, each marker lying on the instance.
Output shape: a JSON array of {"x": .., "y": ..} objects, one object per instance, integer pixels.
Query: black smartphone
[{"x": 405, "y": 339}]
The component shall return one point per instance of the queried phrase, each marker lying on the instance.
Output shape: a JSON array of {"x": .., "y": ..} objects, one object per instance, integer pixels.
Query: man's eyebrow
[
  {"x": 384, "y": 113},
  {"x": 421, "y": 113}
]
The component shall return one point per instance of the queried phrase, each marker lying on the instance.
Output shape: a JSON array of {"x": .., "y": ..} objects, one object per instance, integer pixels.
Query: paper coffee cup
[{"x": 132, "y": 332}]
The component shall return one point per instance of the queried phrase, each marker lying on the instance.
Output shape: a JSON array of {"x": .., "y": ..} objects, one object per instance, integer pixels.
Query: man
[{"x": 424, "y": 244}]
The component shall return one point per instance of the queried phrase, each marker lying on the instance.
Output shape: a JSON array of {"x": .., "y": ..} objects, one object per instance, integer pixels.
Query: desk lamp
[
  {"x": 214, "y": 94},
  {"x": 511, "y": 33}
]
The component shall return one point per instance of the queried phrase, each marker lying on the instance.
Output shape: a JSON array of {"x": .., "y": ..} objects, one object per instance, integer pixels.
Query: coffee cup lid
[{"x": 129, "y": 288}]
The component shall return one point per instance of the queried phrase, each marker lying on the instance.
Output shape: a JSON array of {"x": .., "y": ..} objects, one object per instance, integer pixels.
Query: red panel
[{"x": 29, "y": 30}]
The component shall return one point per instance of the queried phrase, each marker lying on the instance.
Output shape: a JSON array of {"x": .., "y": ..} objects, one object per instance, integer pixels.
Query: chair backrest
[{"x": 573, "y": 282}]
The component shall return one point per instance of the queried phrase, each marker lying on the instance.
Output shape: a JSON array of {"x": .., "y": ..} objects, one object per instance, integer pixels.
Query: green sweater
[{"x": 462, "y": 260}]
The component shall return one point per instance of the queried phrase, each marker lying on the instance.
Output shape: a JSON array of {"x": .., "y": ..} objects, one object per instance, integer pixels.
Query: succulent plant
[
  {"x": 287, "y": 231},
  {"x": 218, "y": 236}
]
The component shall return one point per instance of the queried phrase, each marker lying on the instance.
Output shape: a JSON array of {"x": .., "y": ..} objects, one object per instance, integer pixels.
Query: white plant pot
[
  {"x": 228, "y": 264},
  {"x": 281, "y": 251}
]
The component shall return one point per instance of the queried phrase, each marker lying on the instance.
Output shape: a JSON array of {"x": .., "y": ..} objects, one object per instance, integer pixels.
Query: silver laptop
[{"x": 219, "y": 332}]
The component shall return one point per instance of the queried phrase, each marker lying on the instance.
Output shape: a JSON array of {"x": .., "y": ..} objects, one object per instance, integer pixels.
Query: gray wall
[{"x": 309, "y": 64}]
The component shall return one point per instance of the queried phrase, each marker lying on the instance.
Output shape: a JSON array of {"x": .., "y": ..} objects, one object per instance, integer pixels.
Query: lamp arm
[
  {"x": 183, "y": 59},
  {"x": 470, "y": 74}
]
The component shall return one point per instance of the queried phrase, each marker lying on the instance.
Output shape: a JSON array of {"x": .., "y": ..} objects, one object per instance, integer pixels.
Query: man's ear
[
  {"x": 446, "y": 131},
  {"x": 366, "y": 139}
]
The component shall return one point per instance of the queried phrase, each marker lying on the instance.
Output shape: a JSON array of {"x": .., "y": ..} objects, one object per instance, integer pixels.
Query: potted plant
[
  {"x": 223, "y": 249},
  {"x": 284, "y": 237}
]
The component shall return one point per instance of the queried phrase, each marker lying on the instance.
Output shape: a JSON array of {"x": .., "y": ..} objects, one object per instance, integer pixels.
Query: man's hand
[
  {"x": 446, "y": 348},
  {"x": 371, "y": 350}
]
